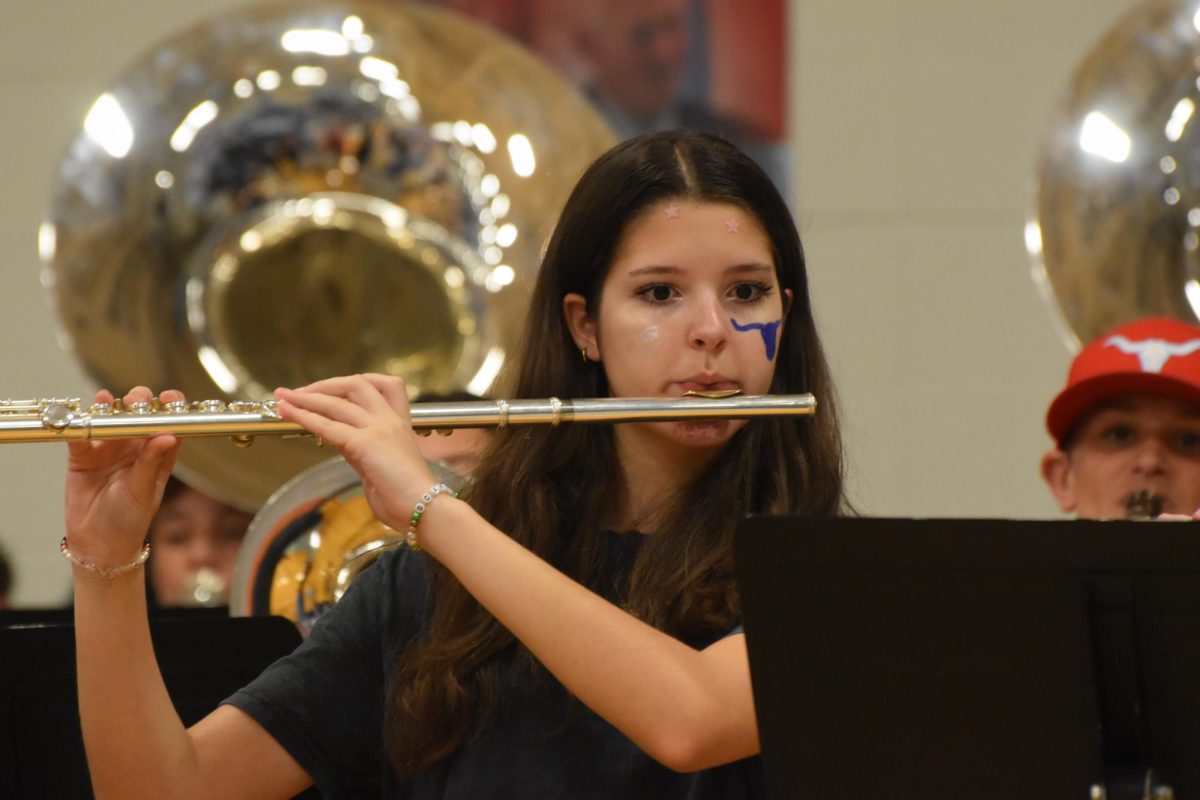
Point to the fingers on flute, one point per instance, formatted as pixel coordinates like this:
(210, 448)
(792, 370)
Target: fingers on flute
(315, 423)
(392, 388)
(330, 407)
(141, 394)
(339, 386)
(354, 401)
(345, 386)
(377, 392)
(154, 462)
(368, 395)
(138, 394)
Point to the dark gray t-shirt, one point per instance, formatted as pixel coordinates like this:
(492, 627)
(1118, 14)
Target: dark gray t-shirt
(324, 704)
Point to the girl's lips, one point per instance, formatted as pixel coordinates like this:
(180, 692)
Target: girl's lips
(692, 385)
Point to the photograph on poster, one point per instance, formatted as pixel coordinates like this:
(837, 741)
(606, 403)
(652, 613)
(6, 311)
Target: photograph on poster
(651, 65)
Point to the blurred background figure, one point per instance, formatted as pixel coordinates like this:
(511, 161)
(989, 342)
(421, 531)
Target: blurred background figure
(654, 65)
(637, 51)
(194, 543)
(6, 579)
(648, 69)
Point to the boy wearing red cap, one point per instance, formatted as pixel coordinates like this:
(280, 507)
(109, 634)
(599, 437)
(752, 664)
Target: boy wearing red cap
(1127, 425)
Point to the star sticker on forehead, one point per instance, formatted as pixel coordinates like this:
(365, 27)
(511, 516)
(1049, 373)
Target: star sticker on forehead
(672, 211)
(732, 225)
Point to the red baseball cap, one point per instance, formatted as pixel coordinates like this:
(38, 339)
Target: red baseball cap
(1157, 356)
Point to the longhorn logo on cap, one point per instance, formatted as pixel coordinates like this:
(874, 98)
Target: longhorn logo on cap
(1153, 354)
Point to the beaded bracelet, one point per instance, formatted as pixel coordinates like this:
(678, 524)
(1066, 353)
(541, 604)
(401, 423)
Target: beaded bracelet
(107, 573)
(410, 537)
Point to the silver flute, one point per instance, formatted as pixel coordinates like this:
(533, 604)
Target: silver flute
(58, 419)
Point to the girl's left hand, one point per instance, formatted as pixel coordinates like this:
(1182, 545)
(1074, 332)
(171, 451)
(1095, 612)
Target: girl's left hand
(366, 417)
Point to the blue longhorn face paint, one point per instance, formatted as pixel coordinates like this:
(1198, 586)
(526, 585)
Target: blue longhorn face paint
(768, 330)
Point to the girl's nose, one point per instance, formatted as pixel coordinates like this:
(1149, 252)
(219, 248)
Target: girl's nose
(710, 328)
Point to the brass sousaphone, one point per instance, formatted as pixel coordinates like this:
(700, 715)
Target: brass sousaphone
(297, 190)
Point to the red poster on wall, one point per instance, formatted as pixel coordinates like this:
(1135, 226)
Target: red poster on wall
(715, 65)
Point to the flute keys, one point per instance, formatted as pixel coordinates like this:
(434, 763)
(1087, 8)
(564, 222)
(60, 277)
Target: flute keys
(100, 409)
(57, 416)
(211, 406)
(139, 409)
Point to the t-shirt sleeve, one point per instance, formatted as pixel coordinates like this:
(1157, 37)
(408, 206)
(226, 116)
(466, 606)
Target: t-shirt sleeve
(324, 702)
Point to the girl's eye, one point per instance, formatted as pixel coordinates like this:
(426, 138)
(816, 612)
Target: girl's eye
(657, 293)
(751, 291)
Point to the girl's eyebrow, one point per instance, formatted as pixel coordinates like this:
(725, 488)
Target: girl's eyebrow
(751, 266)
(663, 269)
(656, 269)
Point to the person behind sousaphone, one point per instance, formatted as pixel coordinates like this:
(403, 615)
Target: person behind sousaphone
(1126, 426)
(194, 539)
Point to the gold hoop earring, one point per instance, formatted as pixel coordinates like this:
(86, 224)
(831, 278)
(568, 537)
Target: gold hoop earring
(584, 355)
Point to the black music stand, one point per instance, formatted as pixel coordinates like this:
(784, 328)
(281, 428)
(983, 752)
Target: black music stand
(203, 658)
(973, 658)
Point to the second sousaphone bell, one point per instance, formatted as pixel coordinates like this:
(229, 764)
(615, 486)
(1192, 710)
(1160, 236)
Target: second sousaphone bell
(1115, 230)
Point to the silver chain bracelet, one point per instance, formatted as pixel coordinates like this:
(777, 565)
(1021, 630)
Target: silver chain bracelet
(107, 573)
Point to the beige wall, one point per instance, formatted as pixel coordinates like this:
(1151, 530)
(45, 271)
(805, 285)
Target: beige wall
(915, 125)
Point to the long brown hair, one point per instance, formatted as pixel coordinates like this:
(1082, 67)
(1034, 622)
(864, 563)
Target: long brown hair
(551, 490)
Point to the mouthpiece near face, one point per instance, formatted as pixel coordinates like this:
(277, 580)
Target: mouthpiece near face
(204, 588)
(718, 394)
(1143, 505)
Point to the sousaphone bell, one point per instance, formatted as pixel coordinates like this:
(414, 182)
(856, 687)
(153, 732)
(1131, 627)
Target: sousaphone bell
(297, 190)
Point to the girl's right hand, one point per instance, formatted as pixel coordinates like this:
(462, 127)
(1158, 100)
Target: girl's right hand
(114, 488)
